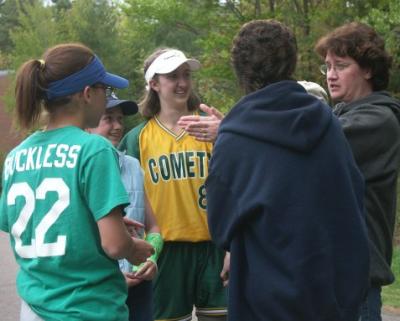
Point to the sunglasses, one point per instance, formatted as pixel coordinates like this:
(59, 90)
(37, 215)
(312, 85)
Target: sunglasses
(108, 89)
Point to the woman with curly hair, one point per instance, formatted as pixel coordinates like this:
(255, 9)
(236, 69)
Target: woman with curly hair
(357, 72)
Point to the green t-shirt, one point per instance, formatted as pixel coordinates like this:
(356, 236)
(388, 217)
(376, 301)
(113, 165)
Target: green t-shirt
(56, 185)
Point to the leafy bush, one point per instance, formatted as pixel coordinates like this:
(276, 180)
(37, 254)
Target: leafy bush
(391, 293)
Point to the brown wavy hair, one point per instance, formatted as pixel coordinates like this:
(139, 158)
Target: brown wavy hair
(362, 43)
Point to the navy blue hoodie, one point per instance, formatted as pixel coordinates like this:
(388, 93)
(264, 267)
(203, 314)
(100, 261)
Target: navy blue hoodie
(285, 197)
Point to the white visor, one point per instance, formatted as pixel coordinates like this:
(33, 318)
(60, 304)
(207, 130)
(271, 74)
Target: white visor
(168, 62)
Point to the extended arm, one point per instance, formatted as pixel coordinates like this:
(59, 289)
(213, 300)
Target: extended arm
(203, 128)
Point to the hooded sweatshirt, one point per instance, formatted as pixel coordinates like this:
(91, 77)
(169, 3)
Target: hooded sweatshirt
(371, 126)
(285, 197)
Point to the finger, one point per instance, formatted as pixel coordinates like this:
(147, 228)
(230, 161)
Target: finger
(129, 275)
(200, 134)
(139, 273)
(143, 274)
(146, 269)
(202, 121)
(132, 231)
(190, 118)
(134, 282)
(150, 272)
(197, 126)
(217, 113)
(206, 109)
(130, 222)
(203, 139)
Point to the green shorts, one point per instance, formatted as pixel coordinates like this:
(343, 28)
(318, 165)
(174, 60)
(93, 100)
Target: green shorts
(189, 274)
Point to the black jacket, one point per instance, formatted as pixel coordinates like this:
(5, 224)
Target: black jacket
(284, 195)
(371, 126)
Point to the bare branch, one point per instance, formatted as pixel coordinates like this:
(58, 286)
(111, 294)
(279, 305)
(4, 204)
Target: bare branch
(231, 5)
(183, 25)
(257, 8)
(272, 6)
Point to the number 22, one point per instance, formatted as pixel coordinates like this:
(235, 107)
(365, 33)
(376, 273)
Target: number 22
(38, 248)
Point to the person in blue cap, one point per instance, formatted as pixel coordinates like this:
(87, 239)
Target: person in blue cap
(61, 201)
(138, 278)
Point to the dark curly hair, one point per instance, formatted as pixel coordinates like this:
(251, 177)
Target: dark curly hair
(263, 52)
(360, 42)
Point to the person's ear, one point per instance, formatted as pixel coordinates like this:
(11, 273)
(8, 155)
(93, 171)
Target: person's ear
(367, 74)
(154, 85)
(87, 93)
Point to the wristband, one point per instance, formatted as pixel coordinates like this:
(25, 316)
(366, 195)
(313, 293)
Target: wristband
(155, 239)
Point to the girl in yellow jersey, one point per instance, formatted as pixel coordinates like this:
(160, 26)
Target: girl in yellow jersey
(176, 166)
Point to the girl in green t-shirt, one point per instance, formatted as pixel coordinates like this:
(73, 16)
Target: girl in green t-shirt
(61, 201)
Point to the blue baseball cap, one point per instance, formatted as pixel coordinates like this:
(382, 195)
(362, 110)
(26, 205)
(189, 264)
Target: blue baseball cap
(128, 107)
(91, 74)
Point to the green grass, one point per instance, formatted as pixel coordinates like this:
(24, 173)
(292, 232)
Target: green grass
(391, 294)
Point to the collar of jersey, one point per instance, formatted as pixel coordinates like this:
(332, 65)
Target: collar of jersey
(177, 137)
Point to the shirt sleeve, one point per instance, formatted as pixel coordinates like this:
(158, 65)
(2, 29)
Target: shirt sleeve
(130, 142)
(369, 131)
(103, 188)
(3, 214)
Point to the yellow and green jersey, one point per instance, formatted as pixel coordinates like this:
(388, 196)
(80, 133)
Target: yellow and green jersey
(175, 167)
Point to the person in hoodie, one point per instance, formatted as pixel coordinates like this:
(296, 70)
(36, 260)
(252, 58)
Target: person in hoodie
(284, 194)
(357, 72)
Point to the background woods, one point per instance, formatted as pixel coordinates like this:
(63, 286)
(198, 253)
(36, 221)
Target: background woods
(124, 32)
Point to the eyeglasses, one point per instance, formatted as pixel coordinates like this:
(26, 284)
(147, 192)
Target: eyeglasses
(108, 89)
(339, 67)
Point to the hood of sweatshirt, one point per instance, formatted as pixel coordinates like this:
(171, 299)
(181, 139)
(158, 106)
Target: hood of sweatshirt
(377, 98)
(297, 121)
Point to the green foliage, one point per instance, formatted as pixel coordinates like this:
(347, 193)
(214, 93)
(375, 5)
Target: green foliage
(148, 25)
(92, 23)
(385, 19)
(36, 31)
(9, 21)
(124, 33)
(62, 5)
(391, 293)
(397, 225)
(4, 61)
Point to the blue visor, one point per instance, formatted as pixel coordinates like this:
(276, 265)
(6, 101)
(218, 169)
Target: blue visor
(93, 73)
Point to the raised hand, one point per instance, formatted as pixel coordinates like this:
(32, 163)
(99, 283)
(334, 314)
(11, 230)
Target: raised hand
(203, 128)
